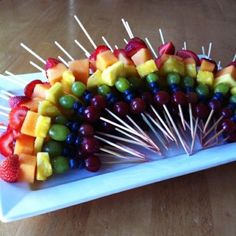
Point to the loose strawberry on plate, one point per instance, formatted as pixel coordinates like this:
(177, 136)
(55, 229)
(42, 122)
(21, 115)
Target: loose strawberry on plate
(7, 143)
(9, 169)
(17, 101)
(16, 117)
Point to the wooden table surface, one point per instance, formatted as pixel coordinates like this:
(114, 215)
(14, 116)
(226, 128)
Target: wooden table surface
(202, 203)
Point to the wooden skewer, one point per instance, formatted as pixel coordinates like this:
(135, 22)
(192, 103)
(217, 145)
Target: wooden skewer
(161, 35)
(185, 45)
(128, 27)
(151, 47)
(5, 108)
(181, 116)
(113, 153)
(209, 50)
(118, 146)
(213, 137)
(162, 122)
(33, 53)
(7, 93)
(191, 119)
(116, 47)
(213, 127)
(154, 131)
(194, 136)
(4, 97)
(16, 77)
(234, 58)
(4, 114)
(106, 42)
(176, 130)
(13, 80)
(37, 66)
(125, 40)
(85, 32)
(208, 121)
(219, 65)
(64, 51)
(203, 51)
(63, 61)
(87, 54)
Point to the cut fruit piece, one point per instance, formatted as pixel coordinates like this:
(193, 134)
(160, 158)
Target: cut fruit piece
(42, 126)
(7, 143)
(16, 117)
(134, 45)
(32, 104)
(44, 167)
(54, 93)
(166, 48)
(17, 101)
(38, 144)
(47, 108)
(24, 144)
(147, 68)
(226, 75)
(95, 80)
(190, 67)
(130, 70)
(121, 55)
(29, 124)
(27, 168)
(105, 59)
(205, 77)
(207, 65)
(29, 88)
(80, 69)
(141, 56)
(110, 75)
(67, 80)
(186, 54)
(40, 90)
(55, 73)
(173, 64)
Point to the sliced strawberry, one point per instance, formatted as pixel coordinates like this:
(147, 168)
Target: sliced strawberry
(17, 101)
(9, 169)
(117, 52)
(187, 53)
(29, 88)
(134, 45)
(166, 48)
(51, 62)
(7, 143)
(98, 50)
(16, 117)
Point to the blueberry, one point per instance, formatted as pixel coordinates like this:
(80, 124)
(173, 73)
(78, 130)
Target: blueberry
(111, 98)
(81, 111)
(77, 106)
(75, 126)
(87, 96)
(76, 163)
(129, 97)
(71, 138)
(69, 124)
(153, 85)
(78, 141)
(155, 90)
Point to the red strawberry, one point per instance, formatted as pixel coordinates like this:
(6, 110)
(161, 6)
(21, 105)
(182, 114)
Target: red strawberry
(134, 45)
(7, 143)
(9, 169)
(187, 53)
(29, 88)
(98, 50)
(17, 101)
(16, 117)
(51, 62)
(166, 48)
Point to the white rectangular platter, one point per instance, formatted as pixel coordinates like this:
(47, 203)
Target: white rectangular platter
(19, 201)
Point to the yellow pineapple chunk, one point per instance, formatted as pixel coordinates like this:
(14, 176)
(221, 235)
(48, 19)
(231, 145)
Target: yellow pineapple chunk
(105, 59)
(147, 68)
(44, 167)
(47, 108)
(54, 93)
(42, 126)
(172, 64)
(38, 144)
(205, 77)
(130, 70)
(67, 80)
(110, 75)
(95, 80)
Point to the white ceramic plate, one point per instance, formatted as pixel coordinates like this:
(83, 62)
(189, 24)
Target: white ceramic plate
(18, 201)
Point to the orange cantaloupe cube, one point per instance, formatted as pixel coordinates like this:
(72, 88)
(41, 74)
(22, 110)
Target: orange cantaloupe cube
(40, 90)
(55, 74)
(105, 59)
(29, 124)
(27, 168)
(24, 144)
(141, 56)
(227, 70)
(226, 75)
(32, 104)
(207, 66)
(80, 69)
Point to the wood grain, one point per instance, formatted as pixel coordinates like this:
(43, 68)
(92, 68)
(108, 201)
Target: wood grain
(202, 203)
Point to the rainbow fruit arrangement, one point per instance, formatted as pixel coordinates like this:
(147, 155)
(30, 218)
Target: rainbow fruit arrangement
(62, 124)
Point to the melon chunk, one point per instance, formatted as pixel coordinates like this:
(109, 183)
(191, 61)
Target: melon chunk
(226, 75)
(24, 144)
(141, 56)
(67, 80)
(190, 67)
(110, 75)
(80, 69)
(147, 68)
(207, 66)
(95, 80)
(38, 144)
(32, 104)
(55, 73)
(27, 168)
(105, 59)
(29, 124)
(40, 90)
